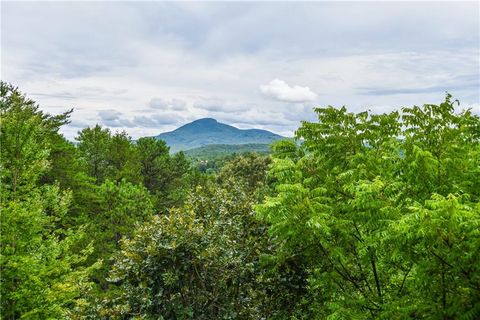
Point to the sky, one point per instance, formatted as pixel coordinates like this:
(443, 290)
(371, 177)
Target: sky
(149, 67)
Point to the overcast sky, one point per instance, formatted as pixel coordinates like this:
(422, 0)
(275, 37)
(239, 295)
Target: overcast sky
(149, 67)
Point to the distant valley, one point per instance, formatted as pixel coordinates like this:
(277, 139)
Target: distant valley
(216, 151)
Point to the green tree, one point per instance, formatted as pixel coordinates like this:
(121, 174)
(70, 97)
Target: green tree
(347, 207)
(152, 154)
(40, 265)
(122, 158)
(439, 240)
(248, 168)
(40, 273)
(25, 139)
(175, 182)
(122, 206)
(200, 261)
(93, 147)
(66, 170)
(166, 177)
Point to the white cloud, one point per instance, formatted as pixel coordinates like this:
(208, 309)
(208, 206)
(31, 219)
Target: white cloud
(177, 62)
(219, 105)
(170, 104)
(280, 90)
(109, 115)
(114, 119)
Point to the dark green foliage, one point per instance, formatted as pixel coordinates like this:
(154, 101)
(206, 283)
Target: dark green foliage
(66, 170)
(107, 156)
(165, 176)
(152, 155)
(122, 206)
(200, 261)
(123, 159)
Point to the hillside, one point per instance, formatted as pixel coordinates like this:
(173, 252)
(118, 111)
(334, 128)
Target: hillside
(209, 131)
(214, 151)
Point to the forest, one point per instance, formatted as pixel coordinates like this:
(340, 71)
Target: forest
(361, 216)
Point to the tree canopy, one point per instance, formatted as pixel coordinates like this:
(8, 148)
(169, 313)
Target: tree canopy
(383, 211)
(362, 216)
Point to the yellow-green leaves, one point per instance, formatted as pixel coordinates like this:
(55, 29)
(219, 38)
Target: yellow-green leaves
(382, 211)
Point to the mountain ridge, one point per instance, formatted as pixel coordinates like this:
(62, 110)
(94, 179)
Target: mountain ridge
(208, 131)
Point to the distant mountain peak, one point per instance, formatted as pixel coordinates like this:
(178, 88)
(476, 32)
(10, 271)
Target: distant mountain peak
(205, 120)
(208, 131)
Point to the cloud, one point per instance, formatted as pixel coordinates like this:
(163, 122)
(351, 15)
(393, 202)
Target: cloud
(171, 104)
(280, 90)
(156, 121)
(115, 119)
(164, 63)
(458, 83)
(61, 95)
(219, 105)
(78, 123)
(109, 115)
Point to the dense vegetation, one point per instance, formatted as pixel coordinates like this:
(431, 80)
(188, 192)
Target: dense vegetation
(370, 217)
(212, 157)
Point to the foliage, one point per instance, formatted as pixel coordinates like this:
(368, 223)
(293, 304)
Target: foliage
(93, 147)
(25, 133)
(123, 159)
(248, 169)
(199, 261)
(165, 176)
(384, 210)
(365, 216)
(152, 155)
(40, 276)
(122, 206)
(211, 156)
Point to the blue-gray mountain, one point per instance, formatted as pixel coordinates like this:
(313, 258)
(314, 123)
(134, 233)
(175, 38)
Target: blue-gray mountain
(209, 131)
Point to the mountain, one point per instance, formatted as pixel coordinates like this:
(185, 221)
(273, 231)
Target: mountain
(209, 131)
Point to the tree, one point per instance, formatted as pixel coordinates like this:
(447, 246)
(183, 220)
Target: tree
(122, 158)
(40, 265)
(40, 273)
(249, 168)
(25, 139)
(93, 147)
(122, 207)
(166, 177)
(199, 261)
(152, 154)
(66, 170)
(354, 204)
(439, 240)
